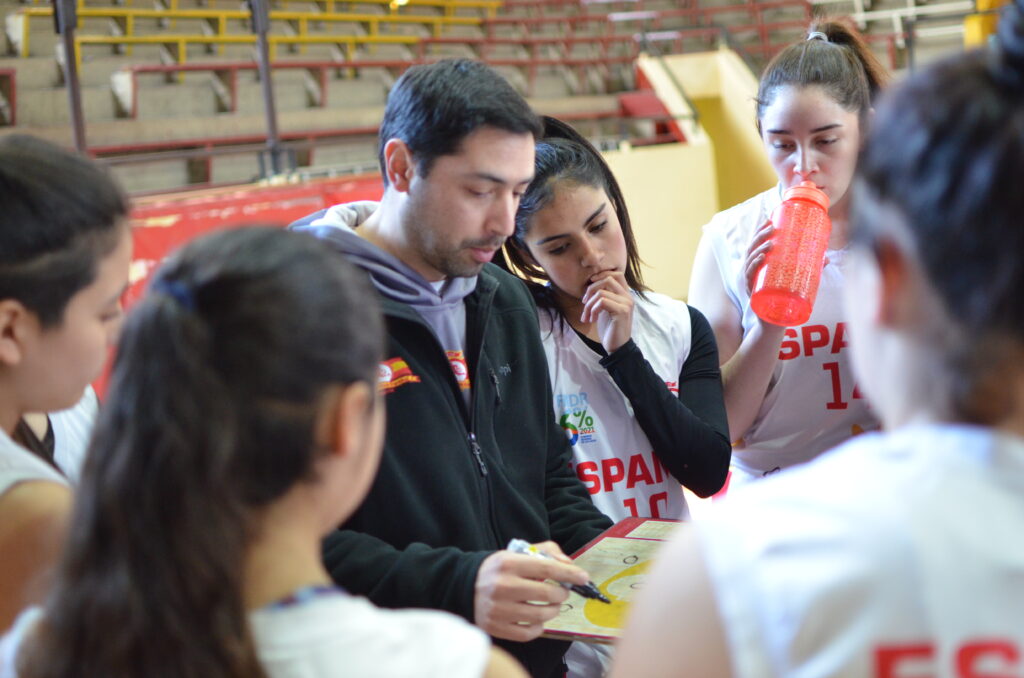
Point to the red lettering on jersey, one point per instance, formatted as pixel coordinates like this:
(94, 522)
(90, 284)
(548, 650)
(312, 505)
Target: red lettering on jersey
(638, 471)
(660, 497)
(612, 471)
(631, 505)
(587, 473)
(839, 340)
(789, 348)
(889, 658)
(972, 657)
(814, 336)
(837, 402)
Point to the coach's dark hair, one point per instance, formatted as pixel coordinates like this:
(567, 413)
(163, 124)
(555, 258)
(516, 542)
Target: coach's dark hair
(61, 216)
(947, 155)
(564, 158)
(220, 378)
(433, 107)
(843, 65)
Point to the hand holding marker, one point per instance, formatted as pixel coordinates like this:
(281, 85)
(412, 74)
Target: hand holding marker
(589, 590)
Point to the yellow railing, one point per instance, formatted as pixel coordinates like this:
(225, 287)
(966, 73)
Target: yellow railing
(177, 43)
(217, 20)
(450, 6)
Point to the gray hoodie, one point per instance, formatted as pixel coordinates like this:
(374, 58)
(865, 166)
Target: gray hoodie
(439, 304)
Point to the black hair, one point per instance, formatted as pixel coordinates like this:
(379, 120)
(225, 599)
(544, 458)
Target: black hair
(843, 65)
(565, 158)
(433, 107)
(220, 377)
(61, 216)
(947, 154)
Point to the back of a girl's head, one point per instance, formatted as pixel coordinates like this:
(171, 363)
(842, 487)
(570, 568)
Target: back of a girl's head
(947, 156)
(60, 217)
(221, 377)
(835, 58)
(239, 337)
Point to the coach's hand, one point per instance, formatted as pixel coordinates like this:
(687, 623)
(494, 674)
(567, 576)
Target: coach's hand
(514, 597)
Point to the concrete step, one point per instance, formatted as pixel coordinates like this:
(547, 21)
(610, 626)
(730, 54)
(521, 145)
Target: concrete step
(50, 106)
(177, 101)
(364, 91)
(97, 67)
(234, 169)
(354, 153)
(553, 85)
(160, 175)
(34, 72)
(288, 96)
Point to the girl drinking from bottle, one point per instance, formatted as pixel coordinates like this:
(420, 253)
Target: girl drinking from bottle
(789, 391)
(634, 374)
(243, 423)
(64, 255)
(898, 554)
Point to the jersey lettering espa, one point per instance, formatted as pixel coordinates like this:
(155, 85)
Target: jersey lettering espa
(611, 454)
(895, 556)
(813, 402)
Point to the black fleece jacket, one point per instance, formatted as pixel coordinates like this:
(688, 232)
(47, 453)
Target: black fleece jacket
(456, 483)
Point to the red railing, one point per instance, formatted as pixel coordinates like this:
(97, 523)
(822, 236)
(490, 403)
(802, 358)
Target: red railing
(227, 72)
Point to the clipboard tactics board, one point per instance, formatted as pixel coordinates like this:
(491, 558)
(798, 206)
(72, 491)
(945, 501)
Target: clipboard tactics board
(617, 561)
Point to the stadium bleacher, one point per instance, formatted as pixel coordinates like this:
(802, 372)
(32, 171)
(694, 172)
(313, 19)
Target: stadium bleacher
(171, 94)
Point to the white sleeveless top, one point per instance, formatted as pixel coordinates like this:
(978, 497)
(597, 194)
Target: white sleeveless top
(812, 403)
(339, 635)
(611, 454)
(72, 430)
(18, 465)
(895, 555)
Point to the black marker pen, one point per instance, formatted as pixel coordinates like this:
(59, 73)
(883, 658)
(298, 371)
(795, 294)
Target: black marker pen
(588, 590)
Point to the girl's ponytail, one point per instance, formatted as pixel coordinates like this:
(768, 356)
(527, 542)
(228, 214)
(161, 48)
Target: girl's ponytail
(844, 34)
(218, 384)
(833, 57)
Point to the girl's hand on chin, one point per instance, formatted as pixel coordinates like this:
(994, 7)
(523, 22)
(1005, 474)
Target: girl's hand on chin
(609, 302)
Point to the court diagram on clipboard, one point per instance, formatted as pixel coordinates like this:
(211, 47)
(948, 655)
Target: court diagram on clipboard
(617, 561)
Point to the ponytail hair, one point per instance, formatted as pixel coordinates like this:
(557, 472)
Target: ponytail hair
(835, 57)
(947, 157)
(564, 157)
(218, 383)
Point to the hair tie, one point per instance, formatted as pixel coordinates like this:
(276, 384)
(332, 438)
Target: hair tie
(177, 291)
(817, 35)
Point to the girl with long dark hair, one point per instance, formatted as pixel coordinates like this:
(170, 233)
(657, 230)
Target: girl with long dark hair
(243, 423)
(634, 374)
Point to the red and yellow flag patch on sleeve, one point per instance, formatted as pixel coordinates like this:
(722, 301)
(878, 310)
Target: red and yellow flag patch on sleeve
(393, 373)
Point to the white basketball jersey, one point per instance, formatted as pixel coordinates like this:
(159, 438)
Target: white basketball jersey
(894, 556)
(812, 403)
(611, 454)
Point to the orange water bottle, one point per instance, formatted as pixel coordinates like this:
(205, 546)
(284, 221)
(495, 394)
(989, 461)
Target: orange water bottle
(787, 283)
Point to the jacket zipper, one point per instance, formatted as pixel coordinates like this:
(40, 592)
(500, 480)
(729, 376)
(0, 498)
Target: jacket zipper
(497, 389)
(477, 452)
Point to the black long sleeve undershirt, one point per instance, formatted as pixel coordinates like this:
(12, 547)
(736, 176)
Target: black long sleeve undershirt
(689, 433)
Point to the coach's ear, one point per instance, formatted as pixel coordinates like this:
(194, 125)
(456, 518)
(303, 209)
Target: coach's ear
(399, 165)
